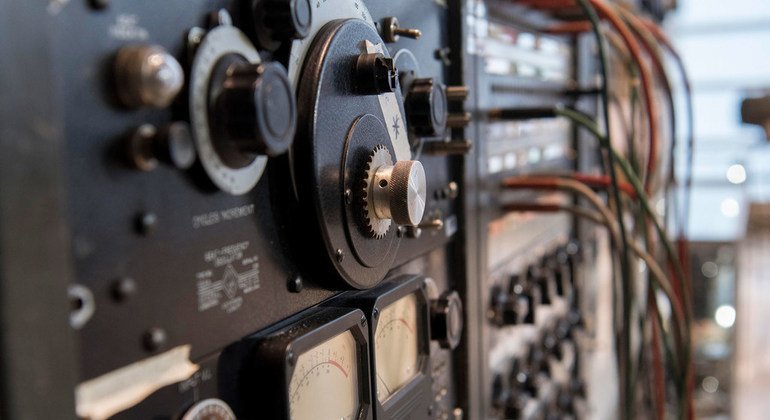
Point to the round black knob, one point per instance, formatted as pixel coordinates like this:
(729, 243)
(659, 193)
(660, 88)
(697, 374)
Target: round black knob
(256, 109)
(282, 20)
(426, 107)
(446, 320)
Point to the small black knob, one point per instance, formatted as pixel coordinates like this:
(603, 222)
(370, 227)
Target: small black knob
(375, 74)
(256, 109)
(524, 290)
(537, 360)
(522, 379)
(508, 308)
(426, 107)
(278, 21)
(552, 345)
(556, 264)
(175, 145)
(446, 320)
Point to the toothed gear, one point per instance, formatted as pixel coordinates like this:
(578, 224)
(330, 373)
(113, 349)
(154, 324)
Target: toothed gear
(378, 157)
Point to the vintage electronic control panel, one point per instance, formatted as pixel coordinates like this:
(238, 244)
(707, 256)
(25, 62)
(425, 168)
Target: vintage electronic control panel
(287, 209)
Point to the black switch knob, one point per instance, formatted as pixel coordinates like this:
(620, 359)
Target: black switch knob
(278, 21)
(557, 264)
(540, 279)
(501, 392)
(522, 378)
(256, 111)
(426, 107)
(375, 74)
(525, 291)
(446, 320)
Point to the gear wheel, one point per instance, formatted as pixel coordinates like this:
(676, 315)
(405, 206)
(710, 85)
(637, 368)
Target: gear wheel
(378, 157)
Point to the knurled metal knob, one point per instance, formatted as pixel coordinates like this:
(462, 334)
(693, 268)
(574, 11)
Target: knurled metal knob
(399, 192)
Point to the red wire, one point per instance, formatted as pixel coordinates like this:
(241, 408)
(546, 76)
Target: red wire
(609, 15)
(603, 181)
(647, 82)
(568, 28)
(658, 33)
(631, 43)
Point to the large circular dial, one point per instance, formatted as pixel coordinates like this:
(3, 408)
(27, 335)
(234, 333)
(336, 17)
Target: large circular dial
(324, 384)
(396, 352)
(241, 110)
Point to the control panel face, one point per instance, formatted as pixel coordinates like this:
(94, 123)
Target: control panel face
(232, 164)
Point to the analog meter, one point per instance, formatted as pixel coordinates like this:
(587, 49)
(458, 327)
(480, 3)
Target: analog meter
(313, 366)
(396, 346)
(398, 313)
(330, 365)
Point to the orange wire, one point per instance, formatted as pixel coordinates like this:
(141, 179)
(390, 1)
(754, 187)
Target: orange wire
(604, 181)
(568, 28)
(609, 15)
(612, 17)
(658, 33)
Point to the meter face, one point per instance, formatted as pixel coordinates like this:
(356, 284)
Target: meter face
(396, 342)
(325, 381)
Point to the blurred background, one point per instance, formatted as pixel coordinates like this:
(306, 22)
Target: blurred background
(724, 46)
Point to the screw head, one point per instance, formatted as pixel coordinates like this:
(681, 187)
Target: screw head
(339, 254)
(147, 223)
(296, 284)
(154, 339)
(123, 288)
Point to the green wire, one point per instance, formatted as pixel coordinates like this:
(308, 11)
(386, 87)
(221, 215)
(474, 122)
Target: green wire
(627, 288)
(586, 122)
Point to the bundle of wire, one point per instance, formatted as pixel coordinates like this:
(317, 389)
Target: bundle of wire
(640, 40)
